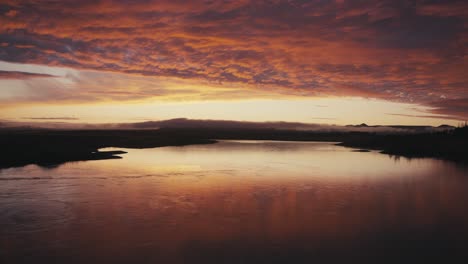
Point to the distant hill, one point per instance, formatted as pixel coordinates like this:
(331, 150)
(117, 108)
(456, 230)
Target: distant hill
(182, 123)
(446, 126)
(405, 127)
(227, 124)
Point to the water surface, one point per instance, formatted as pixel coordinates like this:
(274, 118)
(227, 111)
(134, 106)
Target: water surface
(236, 202)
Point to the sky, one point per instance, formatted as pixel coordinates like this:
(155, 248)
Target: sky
(334, 62)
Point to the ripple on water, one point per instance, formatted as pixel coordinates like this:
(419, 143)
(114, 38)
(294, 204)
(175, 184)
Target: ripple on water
(33, 215)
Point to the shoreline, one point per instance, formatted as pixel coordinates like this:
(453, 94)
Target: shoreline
(49, 148)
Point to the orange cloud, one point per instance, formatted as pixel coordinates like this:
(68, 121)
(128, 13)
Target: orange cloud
(393, 50)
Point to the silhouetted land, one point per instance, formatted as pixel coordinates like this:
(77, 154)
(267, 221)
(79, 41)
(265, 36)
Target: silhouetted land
(52, 147)
(450, 145)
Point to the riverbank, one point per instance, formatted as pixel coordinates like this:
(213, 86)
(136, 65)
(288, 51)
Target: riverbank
(54, 147)
(451, 145)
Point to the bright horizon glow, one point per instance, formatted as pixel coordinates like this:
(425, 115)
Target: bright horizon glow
(338, 111)
(186, 100)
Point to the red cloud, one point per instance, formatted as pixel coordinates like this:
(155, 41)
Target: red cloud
(382, 49)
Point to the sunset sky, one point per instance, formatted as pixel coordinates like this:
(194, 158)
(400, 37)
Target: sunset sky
(335, 62)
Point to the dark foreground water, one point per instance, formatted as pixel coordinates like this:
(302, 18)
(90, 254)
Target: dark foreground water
(237, 202)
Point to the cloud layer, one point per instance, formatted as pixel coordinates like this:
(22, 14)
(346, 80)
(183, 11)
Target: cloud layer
(21, 75)
(410, 51)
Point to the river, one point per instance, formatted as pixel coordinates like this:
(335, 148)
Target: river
(236, 202)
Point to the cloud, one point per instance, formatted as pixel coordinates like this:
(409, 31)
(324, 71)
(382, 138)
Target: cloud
(427, 116)
(457, 108)
(22, 75)
(411, 51)
(52, 118)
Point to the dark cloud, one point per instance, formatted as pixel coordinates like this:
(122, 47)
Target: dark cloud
(22, 75)
(457, 108)
(427, 116)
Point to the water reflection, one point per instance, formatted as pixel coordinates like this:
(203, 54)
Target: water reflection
(236, 202)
